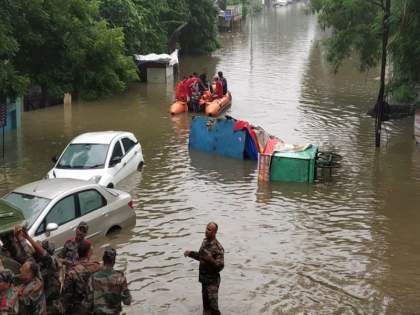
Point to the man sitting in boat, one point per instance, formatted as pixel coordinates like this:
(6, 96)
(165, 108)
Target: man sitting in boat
(224, 82)
(204, 84)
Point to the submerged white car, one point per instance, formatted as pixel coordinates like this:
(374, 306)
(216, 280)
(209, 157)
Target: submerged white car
(53, 208)
(104, 157)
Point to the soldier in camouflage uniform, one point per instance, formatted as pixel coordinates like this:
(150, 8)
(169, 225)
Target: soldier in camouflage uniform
(9, 304)
(211, 258)
(108, 287)
(15, 245)
(31, 292)
(50, 272)
(76, 290)
(69, 253)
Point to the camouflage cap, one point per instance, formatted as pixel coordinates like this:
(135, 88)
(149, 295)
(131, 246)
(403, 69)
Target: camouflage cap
(6, 276)
(109, 254)
(83, 225)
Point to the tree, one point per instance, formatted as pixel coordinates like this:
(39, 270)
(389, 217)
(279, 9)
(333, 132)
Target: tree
(140, 22)
(405, 50)
(65, 46)
(100, 68)
(173, 14)
(12, 83)
(200, 35)
(361, 27)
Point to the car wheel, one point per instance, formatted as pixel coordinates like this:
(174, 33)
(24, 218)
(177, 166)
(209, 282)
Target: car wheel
(140, 166)
(113, 229)
(110, 185)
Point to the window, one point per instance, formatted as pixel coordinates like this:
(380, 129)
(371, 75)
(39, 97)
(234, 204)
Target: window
(128, 144)
(90, 200)
(84, 155)
(63, 211)
(117, 151)
(30, 205)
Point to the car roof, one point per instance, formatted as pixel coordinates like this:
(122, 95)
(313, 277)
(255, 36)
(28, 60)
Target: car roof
(100, 137)
(51, 188)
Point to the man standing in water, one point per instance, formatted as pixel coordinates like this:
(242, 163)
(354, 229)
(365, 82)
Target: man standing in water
(69, 253)
(211, 258)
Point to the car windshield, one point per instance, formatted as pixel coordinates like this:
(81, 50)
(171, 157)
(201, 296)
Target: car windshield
(84, 156)
(30, 205)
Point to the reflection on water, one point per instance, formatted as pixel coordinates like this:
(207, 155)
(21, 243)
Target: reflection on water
(349, 246)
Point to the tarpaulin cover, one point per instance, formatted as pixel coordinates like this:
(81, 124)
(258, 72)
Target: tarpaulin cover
(242, 124)
(171, 59)
(251, 149)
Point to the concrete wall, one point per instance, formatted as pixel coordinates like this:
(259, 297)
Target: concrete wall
(160, 75)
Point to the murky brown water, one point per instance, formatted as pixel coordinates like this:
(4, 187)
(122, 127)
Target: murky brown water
(351, 246)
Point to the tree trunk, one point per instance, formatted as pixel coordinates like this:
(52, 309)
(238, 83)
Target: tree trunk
(380, 103)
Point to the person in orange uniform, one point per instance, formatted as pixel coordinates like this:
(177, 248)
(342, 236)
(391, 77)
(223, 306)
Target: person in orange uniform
(180, 91)
(218, 91)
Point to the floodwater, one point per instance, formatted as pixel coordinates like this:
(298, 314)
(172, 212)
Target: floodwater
(347, 246)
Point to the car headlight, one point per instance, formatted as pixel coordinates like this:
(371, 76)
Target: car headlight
(96, 179)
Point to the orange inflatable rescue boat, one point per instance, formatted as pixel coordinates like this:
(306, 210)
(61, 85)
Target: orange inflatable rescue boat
(217, 106)
(210, 108)
(178, 107)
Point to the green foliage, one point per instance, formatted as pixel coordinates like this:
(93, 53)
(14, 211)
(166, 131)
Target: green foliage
(356, 28)
(11, 81)
(403, 93)
(140, 23)
(86, 46)
(405, 49)
(200, 35)
(174, 14)
(102, 70)
(64, 46)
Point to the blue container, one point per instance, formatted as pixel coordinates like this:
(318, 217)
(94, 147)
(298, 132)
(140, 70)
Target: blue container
(217, 136)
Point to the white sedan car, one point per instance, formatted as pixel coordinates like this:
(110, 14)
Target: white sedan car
(53, 208)
(103, 157)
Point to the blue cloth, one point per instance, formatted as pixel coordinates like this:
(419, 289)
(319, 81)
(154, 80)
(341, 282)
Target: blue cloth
(251, 150)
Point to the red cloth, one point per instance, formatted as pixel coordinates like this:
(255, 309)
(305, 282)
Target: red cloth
(190, 85)
(218, 93)
(180, 92)
(242, 124)
(3, 306)
(271, 144)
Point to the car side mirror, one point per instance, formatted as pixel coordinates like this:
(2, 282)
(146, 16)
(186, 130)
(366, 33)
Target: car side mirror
(54, 159)
(115, 160)
(51, 227)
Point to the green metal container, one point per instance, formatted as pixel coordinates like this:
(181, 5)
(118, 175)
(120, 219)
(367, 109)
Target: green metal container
(294, 166)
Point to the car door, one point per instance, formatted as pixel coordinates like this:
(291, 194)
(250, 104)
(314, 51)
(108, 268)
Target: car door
(115, 169)
(64, 214)
(93, 208)
(131, 158)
